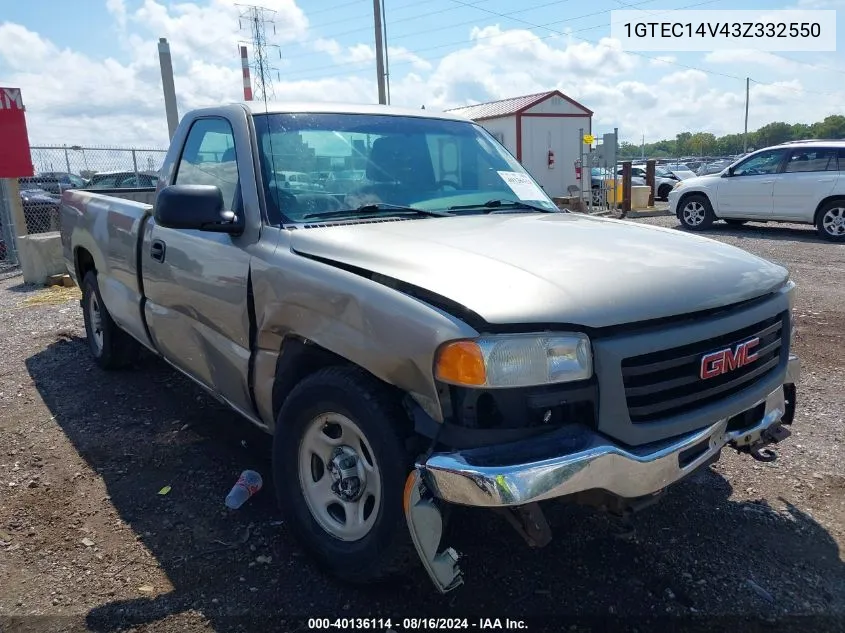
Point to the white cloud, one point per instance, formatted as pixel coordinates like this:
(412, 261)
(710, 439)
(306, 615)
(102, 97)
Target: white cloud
(77, 99)
(746, 57)
(363, 53)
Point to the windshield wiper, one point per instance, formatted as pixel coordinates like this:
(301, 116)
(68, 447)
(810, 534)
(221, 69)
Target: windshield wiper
(498, 204)
(395, 209)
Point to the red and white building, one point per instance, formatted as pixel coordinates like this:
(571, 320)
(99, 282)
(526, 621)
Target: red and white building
(541, 131)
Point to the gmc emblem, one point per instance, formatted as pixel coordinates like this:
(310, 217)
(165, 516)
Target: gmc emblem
(725, 360)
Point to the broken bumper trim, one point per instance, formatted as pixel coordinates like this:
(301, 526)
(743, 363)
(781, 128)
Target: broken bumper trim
(579, 459)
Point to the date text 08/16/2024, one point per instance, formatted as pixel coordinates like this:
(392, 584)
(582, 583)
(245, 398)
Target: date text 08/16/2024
(412, 624)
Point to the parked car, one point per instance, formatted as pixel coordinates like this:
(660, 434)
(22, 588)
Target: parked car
(713, 168)
(54, 182)
(40, 210)
(296, 180)
(793, 182)
(455, 339)
(664, 179)
(345, 180)
(122, 180)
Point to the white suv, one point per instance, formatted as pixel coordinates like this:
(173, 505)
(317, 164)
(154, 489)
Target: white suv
(802, 181)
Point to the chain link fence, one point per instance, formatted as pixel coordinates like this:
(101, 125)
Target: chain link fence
(58, 168)
(8, 253)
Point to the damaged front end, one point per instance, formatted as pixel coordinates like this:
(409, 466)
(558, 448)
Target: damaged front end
(575, 463)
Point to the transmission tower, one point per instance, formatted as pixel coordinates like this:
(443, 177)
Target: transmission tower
(257, 20)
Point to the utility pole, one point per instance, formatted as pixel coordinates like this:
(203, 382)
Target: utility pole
(745, 134)
(256, 20)
(382, 96)
(168, 86)
(642, 148)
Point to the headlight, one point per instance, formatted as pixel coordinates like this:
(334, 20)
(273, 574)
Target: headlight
(678, 185)
(515, 360)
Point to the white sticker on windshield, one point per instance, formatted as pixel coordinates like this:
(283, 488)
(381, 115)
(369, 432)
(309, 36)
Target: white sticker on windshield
(522, 186)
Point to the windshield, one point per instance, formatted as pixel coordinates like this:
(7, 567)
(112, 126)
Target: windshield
(371, 160)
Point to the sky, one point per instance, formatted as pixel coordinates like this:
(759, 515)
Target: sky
(89, 72)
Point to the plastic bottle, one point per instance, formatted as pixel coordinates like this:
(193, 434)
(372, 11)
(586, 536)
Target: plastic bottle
(247, 485)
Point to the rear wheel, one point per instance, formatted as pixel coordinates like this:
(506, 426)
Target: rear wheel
(111, 347)
(695, 212)
(830, 221)
(339, 466)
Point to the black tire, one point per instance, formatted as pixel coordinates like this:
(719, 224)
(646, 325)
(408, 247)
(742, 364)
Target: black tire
(387, 548)
(832, 213)
(663, 192)
(695, 206)
(116, 348)
(735, 222)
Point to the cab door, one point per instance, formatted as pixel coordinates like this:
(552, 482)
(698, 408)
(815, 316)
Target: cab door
(196, 282)
(809, 176)
(746, 190)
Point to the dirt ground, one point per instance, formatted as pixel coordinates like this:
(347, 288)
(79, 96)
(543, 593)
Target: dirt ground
(88, 542)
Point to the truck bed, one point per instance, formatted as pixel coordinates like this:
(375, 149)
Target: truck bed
(108, 230)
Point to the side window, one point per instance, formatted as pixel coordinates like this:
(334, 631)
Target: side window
(129, 181)
(208, 158)
(842, 159)
(106, 182)
(761, 164)
(811, 159)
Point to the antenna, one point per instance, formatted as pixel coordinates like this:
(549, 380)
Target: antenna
(256, 20)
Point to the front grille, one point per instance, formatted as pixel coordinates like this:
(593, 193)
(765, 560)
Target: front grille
(667, 383)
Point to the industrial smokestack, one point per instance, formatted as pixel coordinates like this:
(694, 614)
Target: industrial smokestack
(170, 107)
(247, 80)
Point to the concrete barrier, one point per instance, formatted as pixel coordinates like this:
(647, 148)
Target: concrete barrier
(40, 256)
(639, 196)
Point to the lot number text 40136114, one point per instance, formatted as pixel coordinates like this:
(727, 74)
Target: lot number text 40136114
(416, 624)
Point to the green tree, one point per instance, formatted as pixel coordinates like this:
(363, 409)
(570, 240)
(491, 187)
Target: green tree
(832, 127)
(682, 143)
(702, 143)
(774, 133)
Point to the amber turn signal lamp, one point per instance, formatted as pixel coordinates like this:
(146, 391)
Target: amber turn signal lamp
(461, 363)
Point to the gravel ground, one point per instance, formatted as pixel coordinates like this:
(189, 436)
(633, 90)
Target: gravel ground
(87, 542)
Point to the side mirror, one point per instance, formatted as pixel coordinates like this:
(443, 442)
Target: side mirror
(198, 207)
(728, 172)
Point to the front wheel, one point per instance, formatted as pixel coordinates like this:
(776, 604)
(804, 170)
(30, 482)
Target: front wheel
(663, 192)
(830, 222)
(339, 466)
(695, 212)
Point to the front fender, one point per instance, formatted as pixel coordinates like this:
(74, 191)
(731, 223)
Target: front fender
(388, 333)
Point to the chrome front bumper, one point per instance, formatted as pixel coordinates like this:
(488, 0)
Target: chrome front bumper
(579, 459)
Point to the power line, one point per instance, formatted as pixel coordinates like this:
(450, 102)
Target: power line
(439, 29)
(554, 33)
(487, 37)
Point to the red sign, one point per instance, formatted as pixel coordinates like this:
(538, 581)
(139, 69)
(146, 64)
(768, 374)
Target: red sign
(725, 360)
(15, 159)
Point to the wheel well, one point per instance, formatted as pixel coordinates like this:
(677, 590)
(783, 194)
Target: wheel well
(298, 359)
(84, 262)
(824, 202)
(685, 197)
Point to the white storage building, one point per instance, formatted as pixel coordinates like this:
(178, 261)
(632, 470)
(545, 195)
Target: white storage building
(534, 125)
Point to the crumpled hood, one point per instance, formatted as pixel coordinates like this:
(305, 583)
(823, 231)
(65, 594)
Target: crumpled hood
(552, 268)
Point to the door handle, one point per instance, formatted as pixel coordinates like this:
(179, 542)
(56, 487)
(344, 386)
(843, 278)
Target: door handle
(157, 250)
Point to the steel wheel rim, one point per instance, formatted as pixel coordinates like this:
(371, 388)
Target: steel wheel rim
(834, 221)
(95, 318)
(693, 213)
(344, 516)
